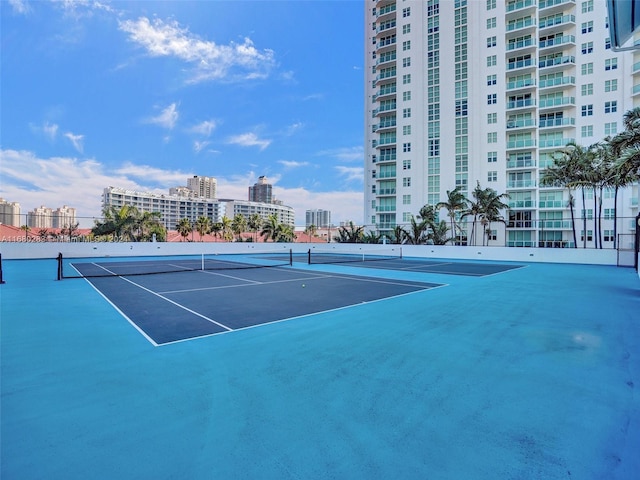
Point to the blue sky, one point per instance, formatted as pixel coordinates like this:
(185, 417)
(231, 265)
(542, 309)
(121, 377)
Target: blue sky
(142, 95)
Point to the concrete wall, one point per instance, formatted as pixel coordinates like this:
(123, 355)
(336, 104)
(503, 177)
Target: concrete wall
(17, 250)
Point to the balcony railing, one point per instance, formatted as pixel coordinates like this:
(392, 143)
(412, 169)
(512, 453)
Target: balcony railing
(386, 191)
(550, 62)
(521, 204)
(529, 62)
(552, 21)
(552, 3)
(558, 122)
(554, 82)
(527, 82)
(557, 101)
(524, 143)
(520, 44)
(521, 23)
(557, 41)
(521, 123)
(551, 204)
(555, 142)
(386, 9)
(529, 163)
(529, 183)
(513, 6)
(529, 102)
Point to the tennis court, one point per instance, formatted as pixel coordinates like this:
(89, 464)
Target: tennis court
(208, 297)
(528, 374)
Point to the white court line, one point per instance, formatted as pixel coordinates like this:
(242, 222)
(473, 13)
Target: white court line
(246, 285)
(171, 301)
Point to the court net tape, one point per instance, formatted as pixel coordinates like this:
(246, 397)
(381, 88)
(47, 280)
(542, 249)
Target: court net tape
(125, 267)
(335, 256)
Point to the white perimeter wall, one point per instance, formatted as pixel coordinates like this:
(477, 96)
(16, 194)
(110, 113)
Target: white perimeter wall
(16, 250)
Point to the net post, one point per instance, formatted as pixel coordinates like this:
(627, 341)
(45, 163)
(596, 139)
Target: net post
(291, 257)
(60, 273)
(1, 279)
(637, 243)
(400, 251)
(309, 257)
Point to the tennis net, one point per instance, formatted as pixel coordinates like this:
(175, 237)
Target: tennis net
(317, 256)
(125, 267)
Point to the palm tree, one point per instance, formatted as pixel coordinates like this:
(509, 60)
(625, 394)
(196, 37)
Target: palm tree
(627, 144)
(474, 208)
(26, 229)
(270, 228)
(438, 233)
(239, 225)
(284, 233)
(119, 222)
(398, 235)
(371, 237)
(216, 228)
(184, 228)
(417, 234)
(227, 231)
(455, 203)
(311, 230)
(43, 234)
(490, 210)
(254, 223)
(203, 226)
(352, 234)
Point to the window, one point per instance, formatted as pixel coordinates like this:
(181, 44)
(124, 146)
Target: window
(492, 176)
(587, 27)
(586, 131)
(406, 12)
(492, 157)
(587, 6)
(491, 79)
(406, 181)
(608, 236)
(492, 99)
(589, 235)
(406, 113)
(492, 118)
(406, 164)
(406, 147)
(406, 79)
(611, 128)
(611, 85)
(492, 60)
(373, 174)
(406, 45)
(608, 213)
(587, 89)
(406, 96)
(406, 62)
(587, 48)
(491, 4)
(492, 137)
(611, 64)
(406, 129)
(406, 28)
(491, 22)
(607, 43)
(611, 107)
(491, 42)
(587, 110)
(587, 68)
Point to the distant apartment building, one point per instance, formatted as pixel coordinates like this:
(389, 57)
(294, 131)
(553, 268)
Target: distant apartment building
(262, 191)
(9, 213)
(174, 208)
(40, 217)
(203, 187)
(319, 218)
(64, 217)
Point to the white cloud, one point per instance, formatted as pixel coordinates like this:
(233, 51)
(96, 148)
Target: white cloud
(293, 128)
(204, 128)
(198, 146)
(248, 140)
(20, 7)
(50, 130)
(167, 117)
(210, 61)
(79, 183)
(76, 140)
(351, 173)
(292, 164)
(347, 154)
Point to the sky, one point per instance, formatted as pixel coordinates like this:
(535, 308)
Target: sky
(142, 95)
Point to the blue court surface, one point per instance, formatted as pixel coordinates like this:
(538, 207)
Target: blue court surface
(525, 373)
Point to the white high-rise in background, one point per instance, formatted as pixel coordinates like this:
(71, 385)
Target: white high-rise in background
(460, 93)
(319, 218)
(40, 217)
(64, 217)
(9, 213)
(203, 187)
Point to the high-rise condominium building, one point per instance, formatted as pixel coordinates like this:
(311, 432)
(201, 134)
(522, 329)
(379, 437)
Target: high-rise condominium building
(203, 187)
(460, 93)
(9, 213)
(64, 217)
(40, 217)
(319, 218)
(261, 191)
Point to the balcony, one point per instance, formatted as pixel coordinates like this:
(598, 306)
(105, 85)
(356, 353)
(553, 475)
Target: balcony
(551, 204)
(385, 91)
(521, 204)
(386, 157)
(384, 125)
(386, 10)
(527, 63)
(555, 142)
(568, 81)
(521, 123)
(554, 224)
(386, 191)
(557, 102)
(520, 6)
(558, 42)
(386, 208)
(556, 63)
(526, 43)
(521, 25)
(526, 183)
(386, 26)
(386, 58)
(522, 143)
(554, 6)
(552, 24)
(636, 90)
(558, 122)
(523, 103)
(521, 84)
